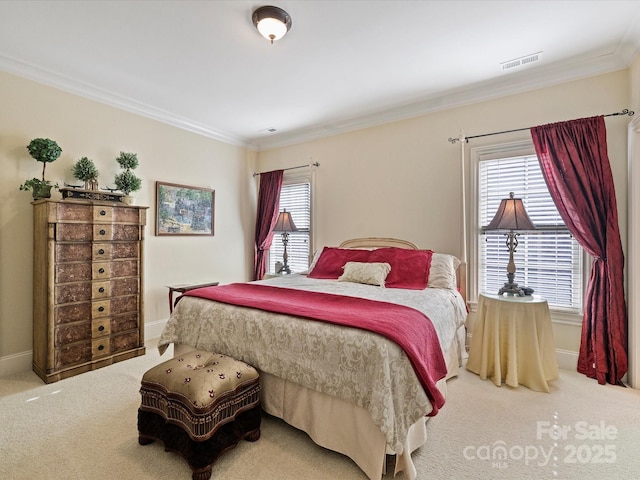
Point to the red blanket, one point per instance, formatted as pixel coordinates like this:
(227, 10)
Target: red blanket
(409, 328)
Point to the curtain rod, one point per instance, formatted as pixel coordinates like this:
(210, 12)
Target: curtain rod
(314, 164)
(466, 139)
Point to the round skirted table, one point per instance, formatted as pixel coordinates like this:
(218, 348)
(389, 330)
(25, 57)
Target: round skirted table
(513, 342)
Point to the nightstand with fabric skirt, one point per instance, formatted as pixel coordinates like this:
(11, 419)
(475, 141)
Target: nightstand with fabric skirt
(513, 342)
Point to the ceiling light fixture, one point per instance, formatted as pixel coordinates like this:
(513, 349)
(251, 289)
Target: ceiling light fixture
(273, 23)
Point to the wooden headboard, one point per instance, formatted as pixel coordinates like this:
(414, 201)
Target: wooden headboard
(379, 242)
(375, 242)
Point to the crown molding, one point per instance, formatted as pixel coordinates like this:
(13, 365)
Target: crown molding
(91, 92)
(510, 84)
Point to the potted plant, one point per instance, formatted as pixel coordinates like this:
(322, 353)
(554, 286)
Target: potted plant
(126, 181)
(40, 189)
(86, 171)
(46, 151)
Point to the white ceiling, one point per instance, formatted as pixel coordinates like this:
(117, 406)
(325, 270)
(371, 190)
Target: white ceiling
(201, 65)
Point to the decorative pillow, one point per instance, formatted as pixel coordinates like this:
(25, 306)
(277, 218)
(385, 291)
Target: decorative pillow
(409, 268)
(367, 273)
(332, 259)
(443, 271)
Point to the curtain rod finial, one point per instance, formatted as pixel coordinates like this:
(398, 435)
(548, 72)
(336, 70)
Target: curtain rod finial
(461, 138)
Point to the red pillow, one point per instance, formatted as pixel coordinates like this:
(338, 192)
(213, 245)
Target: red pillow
(331, 261)
(409, 268)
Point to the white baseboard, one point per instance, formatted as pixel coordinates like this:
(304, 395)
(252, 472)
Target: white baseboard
(21, 362)
(16, 363)
(154, 329)
(567, 360)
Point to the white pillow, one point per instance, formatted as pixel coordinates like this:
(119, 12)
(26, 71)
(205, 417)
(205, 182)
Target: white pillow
(442, 273)
(367, 273)
(316, 256)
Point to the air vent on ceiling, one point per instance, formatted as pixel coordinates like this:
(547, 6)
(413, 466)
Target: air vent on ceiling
(521, 61)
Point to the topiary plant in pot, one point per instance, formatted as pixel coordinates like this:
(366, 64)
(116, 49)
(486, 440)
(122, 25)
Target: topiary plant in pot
(46, 151)
(86, 171)
(126, 181)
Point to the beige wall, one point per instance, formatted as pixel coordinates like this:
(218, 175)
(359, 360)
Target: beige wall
(86, 128)
(403, 179)
(634, 82)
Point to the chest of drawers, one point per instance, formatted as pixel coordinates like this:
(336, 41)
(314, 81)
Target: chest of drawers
(88, 286)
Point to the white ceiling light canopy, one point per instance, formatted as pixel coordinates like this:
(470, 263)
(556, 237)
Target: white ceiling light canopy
(273, 23)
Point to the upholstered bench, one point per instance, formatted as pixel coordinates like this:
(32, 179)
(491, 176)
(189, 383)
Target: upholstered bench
(199, 405)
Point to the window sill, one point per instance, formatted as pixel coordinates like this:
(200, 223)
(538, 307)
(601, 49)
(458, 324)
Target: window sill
(567, 318)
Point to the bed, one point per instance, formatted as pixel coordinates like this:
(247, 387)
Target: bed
(351, 390)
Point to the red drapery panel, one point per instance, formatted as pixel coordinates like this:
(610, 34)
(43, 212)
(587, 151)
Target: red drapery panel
(266, 217)
(575, 165)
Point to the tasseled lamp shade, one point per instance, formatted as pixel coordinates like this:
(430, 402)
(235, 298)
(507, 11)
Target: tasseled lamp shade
(285, 223)
(511, 215)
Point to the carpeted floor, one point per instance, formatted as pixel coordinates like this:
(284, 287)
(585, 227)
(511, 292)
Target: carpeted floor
(85, 428)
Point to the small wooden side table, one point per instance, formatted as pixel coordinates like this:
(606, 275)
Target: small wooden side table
(513, 342)
(185, 287)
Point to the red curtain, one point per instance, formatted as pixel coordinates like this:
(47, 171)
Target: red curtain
(266, 217)
(575, 165)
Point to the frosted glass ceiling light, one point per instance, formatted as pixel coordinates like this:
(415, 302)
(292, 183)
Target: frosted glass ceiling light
(273, 23)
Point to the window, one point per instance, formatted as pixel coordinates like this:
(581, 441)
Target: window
(549, 260)
(295, 196)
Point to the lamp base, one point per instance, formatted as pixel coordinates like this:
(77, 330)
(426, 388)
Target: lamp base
(284, 269)
(514, 289)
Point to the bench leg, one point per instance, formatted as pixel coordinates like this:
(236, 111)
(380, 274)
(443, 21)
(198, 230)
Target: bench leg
(253, 436)
(203, 475)
(144, 440)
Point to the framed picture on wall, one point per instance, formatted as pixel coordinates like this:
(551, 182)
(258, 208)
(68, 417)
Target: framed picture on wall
(184, 210)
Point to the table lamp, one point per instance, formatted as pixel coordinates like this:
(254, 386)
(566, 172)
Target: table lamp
(512, 216)
(285, 225)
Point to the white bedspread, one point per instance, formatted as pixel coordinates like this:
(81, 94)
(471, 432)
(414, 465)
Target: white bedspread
(352, 364)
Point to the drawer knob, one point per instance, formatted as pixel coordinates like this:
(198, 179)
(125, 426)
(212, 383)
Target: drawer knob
(103, 212)
(101, 347)
(101, 328)
(101, 251)
(101, 309)
(102, 231)
(101, 270)
(101, 289)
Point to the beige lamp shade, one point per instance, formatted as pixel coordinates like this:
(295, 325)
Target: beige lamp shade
(511, 215)
(285, 223)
